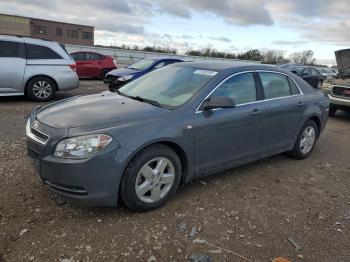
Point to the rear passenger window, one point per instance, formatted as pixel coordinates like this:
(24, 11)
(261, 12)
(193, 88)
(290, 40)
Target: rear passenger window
(92, 56)
(241, 88)
(275, 85)
(40, 52)
(293, 87)
(78, 56)
(9, 49)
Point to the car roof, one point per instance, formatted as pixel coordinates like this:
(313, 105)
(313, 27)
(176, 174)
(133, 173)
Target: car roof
(221, 66)
(163, 58)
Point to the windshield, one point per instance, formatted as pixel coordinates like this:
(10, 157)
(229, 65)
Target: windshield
(142, 64)
(170, 86)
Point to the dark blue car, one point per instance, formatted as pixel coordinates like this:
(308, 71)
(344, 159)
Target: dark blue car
(117, 78)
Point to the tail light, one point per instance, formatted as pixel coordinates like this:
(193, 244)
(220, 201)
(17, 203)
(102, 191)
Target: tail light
(73, 67)
(115, 63)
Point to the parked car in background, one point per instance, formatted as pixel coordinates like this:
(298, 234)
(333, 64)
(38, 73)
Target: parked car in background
(328, 72)
(35, 67)
(338, 88)
(172, 125)
(309, 74)
(93, 65)
(286, 66)
(119, 77)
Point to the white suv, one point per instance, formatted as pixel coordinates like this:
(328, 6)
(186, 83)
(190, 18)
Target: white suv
(34, 67)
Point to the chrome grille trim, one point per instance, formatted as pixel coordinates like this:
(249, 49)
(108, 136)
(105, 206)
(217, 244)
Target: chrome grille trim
(33, 137)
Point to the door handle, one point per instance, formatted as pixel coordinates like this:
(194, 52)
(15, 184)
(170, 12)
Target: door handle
(255, 112)
(300, 103)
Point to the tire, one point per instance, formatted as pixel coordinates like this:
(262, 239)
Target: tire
(332, 111)
(41, 89)
(135, 182)
(103, 73)
(302, 152)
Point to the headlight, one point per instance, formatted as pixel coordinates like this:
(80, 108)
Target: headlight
(125, 78)
(82, 146)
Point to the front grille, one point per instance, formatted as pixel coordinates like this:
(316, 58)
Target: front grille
(341, 91)
(39, 135)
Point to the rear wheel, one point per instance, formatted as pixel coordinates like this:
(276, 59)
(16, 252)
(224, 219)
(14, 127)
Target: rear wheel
(41, 89)
(151, 178)
(306, 140)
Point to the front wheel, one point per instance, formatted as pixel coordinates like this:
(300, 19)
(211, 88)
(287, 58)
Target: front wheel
(306, 141)
(151, 178)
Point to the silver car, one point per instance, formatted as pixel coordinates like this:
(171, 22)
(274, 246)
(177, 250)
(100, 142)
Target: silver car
(34, 67)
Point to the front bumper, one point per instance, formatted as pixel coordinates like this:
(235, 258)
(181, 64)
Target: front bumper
(113, 82)
(92, 181)
(339, 101)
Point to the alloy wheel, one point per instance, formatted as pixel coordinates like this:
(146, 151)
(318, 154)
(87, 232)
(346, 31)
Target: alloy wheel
(308, 139)
(155, 179)
(42, 89)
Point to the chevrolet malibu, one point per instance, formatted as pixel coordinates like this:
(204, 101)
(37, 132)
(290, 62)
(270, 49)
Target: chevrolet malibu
(174, 124)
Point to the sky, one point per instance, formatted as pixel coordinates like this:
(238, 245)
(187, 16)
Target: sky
(225, 25)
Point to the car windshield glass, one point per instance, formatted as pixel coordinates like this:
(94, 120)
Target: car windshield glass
(142, 64)
(323, 70)
(170, 86)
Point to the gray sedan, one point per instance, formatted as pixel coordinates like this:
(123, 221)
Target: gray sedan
(172, 125)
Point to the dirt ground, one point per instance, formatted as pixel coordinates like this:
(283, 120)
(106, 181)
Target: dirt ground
(277, 207)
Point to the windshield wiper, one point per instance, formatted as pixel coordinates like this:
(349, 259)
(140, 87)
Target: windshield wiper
(142, 99)
(149, 101)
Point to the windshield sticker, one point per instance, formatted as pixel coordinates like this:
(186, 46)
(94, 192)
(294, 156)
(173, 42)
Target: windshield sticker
(205, 72)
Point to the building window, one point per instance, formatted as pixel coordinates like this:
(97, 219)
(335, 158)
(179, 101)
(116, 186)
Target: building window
(58, 32)
(40, 30)
(87, 35)
(72, 33)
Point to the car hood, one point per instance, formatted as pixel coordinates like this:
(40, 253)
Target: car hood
(97, 111)
(123, 72)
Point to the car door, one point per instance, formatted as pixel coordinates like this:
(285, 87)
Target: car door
(283, 109)
(12, 66)
(92, 65)
(318, 78)
(79, 59)
(225, 136)
(308, 77)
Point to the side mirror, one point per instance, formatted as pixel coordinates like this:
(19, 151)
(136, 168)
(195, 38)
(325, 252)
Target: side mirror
(218, 102)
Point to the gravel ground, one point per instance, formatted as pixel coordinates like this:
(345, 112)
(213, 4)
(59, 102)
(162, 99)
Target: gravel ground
(277, 207)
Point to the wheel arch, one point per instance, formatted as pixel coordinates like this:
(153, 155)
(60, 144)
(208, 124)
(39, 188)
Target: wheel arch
(184, 159)
(317, 120)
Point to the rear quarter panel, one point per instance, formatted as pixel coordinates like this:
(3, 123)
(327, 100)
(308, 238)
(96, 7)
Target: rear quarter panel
(58, 70)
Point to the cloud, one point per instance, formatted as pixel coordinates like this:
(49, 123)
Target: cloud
(290, 43)
(231, 11)
(221, 39)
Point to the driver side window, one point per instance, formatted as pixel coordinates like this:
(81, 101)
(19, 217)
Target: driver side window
(241, 88)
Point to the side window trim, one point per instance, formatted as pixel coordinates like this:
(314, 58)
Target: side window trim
(257, 86)
(223, 81)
